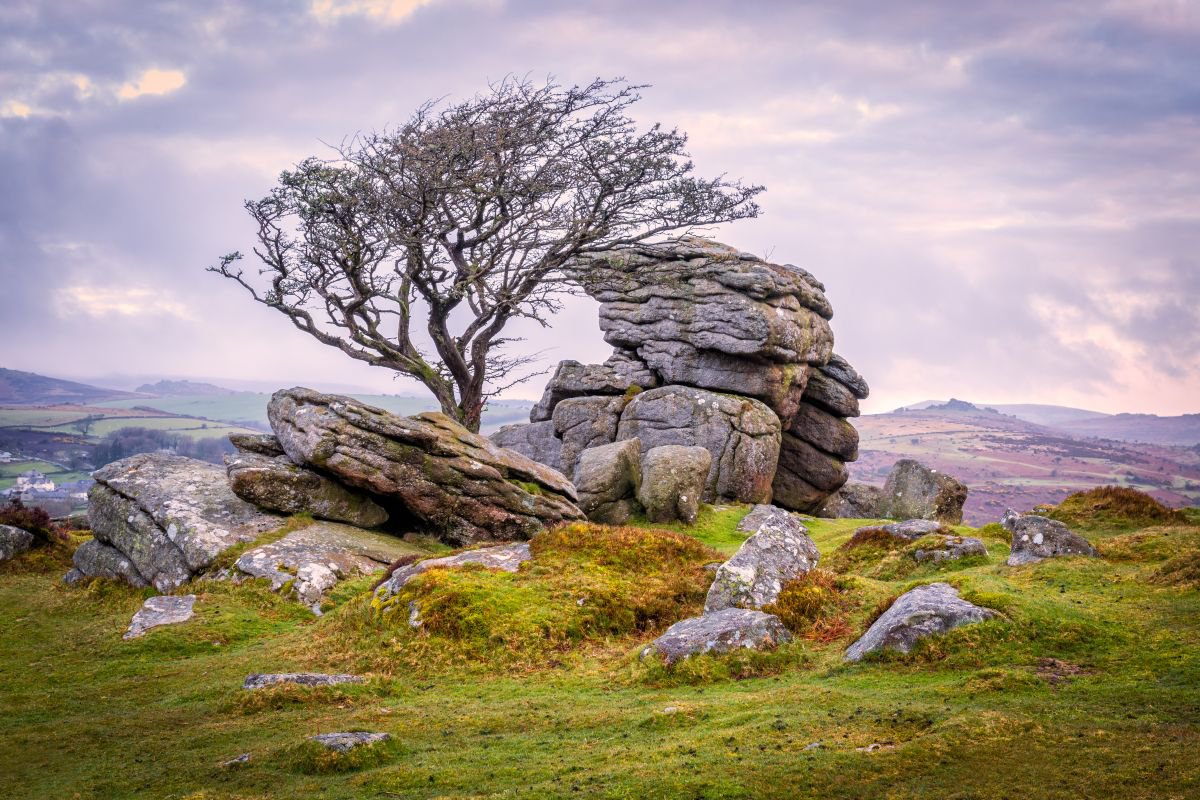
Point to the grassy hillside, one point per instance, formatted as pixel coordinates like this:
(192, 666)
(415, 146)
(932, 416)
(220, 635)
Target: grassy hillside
(17, 387)
(1089, 685)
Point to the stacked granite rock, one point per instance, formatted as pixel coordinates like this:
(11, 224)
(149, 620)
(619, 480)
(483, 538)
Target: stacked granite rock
(712, 348)
(162, 520)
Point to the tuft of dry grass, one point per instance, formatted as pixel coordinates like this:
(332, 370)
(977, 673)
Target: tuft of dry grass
(1111, 507)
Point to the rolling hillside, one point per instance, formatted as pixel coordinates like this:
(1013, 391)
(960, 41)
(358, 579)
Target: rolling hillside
(29, 388)
(1010, 462)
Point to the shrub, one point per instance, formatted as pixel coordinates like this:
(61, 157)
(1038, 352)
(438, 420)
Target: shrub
(32, 519)
(1114, 507)
(812, 606)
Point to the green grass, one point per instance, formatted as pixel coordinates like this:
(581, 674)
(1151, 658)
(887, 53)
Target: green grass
(1088, 687)
(196, 428)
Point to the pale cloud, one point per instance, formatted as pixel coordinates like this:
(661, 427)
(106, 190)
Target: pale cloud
(106, 301)
(152, 81)
(387, 11)
(15, 108)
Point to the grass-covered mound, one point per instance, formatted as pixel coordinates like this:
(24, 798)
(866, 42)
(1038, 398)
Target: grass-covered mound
(1112, 508)
(872, 552)
(586, 584)
(1088, 686)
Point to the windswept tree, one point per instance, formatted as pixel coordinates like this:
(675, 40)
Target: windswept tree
(413, 248)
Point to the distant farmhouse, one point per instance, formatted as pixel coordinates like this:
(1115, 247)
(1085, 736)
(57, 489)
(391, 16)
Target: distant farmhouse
(34, 488)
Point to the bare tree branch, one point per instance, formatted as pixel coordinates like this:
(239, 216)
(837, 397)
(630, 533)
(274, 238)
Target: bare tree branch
(461, 220)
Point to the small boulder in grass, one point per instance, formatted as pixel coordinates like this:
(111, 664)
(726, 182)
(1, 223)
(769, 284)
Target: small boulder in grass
(1035, 538)
(924, 611)
(778, 550)
(14, 541)
(344, 742)
(951, 548)
(719, 632)
(260, 680)
(159, 611)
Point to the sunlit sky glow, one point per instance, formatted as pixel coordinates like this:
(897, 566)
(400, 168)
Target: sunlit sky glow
(1001, 197)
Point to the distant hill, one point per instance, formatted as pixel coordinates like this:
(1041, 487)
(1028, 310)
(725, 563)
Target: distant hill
(1182, 430)
(29, 388)
(1011, 462)
(165, 388)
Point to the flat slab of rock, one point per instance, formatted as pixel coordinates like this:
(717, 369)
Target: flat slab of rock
(925, 611)
(170, 516)
(913, 529)
(534, 440)
(719, 632)
(741, 434)
(315, 558)
(264, 444)
(951, 548)
(159, 611)
(778, 550)
(276, 484)
(261, 680)
(703, 314)
(348, 740)
(1035, 538)
(457, 483)
(14, 541)
(507, 557)
(622, 371)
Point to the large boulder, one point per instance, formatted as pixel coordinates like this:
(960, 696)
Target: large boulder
(672, 482)
(277, 484)
(719, 632)
(14, 541)
(1035, 538)
(312, 560)
(534, 440)
(741, 434)
(583, 422)
(170, 516)
(924, 611)
(457, 483)
(853, 501)
(607, 480)
(779, 550)
(914, 491)
(622, 372)
(702, 314)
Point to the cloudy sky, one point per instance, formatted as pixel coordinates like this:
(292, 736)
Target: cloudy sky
(1002, 198)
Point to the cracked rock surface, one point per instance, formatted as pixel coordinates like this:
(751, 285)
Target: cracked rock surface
(779, 550)
(459, 485)
(313, 559)
(169, 516)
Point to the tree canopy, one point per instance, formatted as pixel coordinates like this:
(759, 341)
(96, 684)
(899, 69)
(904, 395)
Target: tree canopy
(413, 248)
